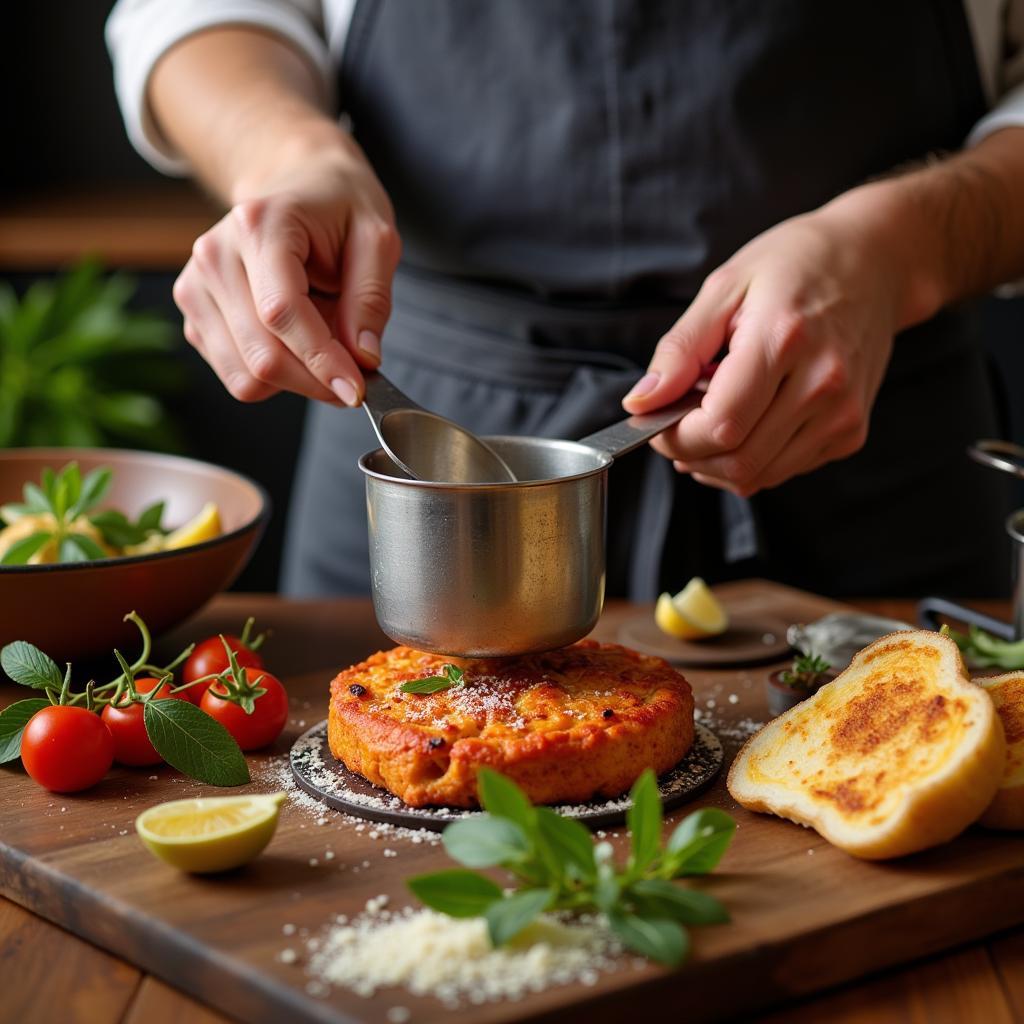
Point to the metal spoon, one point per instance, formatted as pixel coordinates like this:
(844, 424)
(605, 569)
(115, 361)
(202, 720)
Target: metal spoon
(427, 446)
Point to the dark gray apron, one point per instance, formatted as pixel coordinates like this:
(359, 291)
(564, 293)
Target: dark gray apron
(565, 174)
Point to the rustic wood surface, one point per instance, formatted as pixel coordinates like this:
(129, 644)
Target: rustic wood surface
(796, 926)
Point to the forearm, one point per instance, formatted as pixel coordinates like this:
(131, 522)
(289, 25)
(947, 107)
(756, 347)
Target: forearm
(953, 229)
(242, 105)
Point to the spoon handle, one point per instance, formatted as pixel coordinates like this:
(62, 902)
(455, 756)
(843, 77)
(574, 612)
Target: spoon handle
(1004, 455)
(624, 436)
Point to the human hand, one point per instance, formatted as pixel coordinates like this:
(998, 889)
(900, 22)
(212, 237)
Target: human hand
(808, 310)
(290, 291)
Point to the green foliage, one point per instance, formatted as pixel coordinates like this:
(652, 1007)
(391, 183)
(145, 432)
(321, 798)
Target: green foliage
(806, 672)
(983, 650)
(557, 866)
(77, 368)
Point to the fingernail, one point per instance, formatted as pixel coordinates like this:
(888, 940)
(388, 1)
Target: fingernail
(370, 344)
(645, 385)
(345, 390)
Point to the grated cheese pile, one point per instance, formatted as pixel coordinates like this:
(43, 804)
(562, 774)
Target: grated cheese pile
(452, 959)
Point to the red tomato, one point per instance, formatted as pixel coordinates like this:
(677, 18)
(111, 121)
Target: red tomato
(265, 723)
(66, 749)
(126, 725)
(209, 658)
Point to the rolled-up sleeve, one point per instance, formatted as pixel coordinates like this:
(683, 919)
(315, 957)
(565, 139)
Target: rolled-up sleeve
(140, 32)
(1007, 75)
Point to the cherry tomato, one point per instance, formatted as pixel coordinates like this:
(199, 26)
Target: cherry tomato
(126, 725)
(209, 658)
(269, 715)
(66, 749)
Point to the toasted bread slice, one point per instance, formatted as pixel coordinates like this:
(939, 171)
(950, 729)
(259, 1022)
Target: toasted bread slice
(1007, 693)
(898, 753)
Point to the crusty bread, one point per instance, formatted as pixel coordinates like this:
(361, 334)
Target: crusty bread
(898, 753)
(566, 725)
(1007, 693)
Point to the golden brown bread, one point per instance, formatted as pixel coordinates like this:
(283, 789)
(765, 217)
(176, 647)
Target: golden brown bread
(566, 725)
(1007, 808)
(900, 752)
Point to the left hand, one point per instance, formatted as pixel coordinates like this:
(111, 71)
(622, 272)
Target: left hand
(808, 310)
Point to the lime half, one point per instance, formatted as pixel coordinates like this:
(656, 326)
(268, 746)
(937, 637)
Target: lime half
(212, 833)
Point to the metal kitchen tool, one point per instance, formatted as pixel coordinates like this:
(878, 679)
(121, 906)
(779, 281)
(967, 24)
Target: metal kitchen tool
(1008, 458)
(426, 446)
(489, 570)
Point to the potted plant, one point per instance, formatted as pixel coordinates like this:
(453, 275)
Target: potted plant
(786, 687)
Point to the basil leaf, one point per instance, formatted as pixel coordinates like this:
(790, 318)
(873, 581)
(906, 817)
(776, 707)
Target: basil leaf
(71, 478)
(455, 892)
(504, 799)
(191, 741)
(570, 842)
(117, 531)
(35, 499)
(21, 551)
(606, 888)
(508, 917)
(49, 482)
(663, 941)
(12, 512)
(697, 844)
(644, 821)
(454, 673)
(27, 665)
(87, 546)
(60, 497)
(484, 841)
(655, 897)
(151, 516)
(93, 488)
(13, 720)
(70, 552)
(431, 684)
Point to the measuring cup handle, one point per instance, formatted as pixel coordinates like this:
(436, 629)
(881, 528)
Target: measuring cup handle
(1003, 455)
(624, 436)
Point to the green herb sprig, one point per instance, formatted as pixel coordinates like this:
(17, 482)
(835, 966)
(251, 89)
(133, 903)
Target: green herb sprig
(185, 736)
(557, 867)
(806, 672)
(451, 675)
(983, 650)
(66, 499)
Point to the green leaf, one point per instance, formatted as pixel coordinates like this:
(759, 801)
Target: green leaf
(606, 888)
(21, 551)
(661, 940)
(191, 741)
(151, 516)
(12, 512)
(29, 666)
(94, 487)
(644, 821)
(698, 843)
(72, 478)
(87, 549)
(656, 897)
(35, 499)
(570, 842)
(506, 918)
(455, 892)
(504, 799)
(430, 684)
(13, 720)
(117, 531)
(485, 841)
(60, 497)
(49, 482)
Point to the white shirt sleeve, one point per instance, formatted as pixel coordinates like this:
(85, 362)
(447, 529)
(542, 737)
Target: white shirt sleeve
(998, 29)
(139, 32)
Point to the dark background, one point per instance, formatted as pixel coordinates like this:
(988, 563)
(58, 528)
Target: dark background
(63, 129)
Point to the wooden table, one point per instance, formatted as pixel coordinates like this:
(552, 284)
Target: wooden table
(47, 974)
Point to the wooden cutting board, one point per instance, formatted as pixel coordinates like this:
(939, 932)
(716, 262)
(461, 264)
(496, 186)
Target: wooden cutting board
(805, 915)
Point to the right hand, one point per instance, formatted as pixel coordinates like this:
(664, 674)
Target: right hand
(290, 291)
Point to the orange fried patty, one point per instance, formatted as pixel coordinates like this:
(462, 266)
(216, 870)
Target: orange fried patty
(566, 725)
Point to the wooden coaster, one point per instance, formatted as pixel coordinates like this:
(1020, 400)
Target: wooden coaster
(750, 638)
(322, 776)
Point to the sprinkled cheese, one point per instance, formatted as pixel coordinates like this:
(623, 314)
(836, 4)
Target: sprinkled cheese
(452, 959)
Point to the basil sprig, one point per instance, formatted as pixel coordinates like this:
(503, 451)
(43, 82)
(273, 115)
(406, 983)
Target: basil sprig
(451, 675)
(983, 650)
(558, 867)
(64, 501)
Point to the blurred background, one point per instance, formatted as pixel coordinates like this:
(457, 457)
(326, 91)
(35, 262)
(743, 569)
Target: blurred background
(71, 186)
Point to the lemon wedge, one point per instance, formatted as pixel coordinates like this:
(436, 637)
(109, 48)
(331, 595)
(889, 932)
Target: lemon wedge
(211, 833)
(693, 614)
(204, 526)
